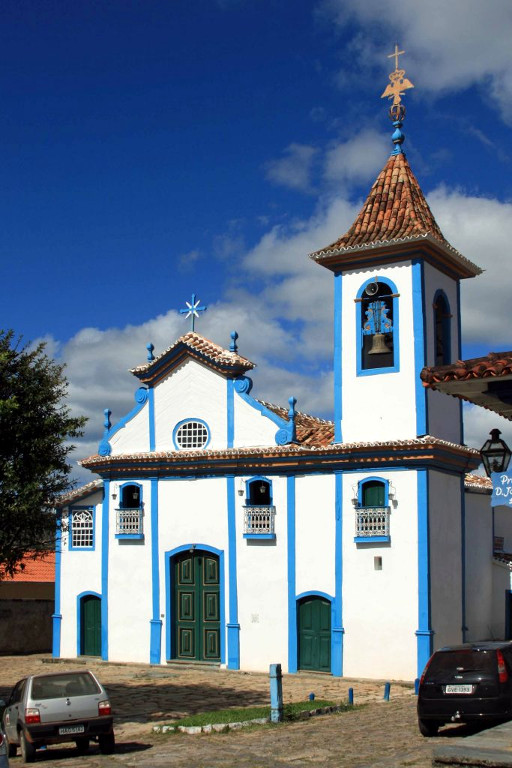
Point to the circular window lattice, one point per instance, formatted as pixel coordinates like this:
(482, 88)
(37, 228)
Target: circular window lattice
(192, 434)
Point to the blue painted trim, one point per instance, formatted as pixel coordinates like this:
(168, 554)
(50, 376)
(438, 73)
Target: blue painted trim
(259, 536)
(420, 349)
(56, 615)
(125, 485)
(359, 331)
(463, 556)
(459, 357)
(291, 572)
(230, 412)
(286, 432)
(233, 626)
(87, 593)
(155, 650)
(372, 539)
(141, 398)
(338, 358)
(104, 569)
(424, 633)
(255, 479)
(127, 536)
(446, 327)
(186, 421)
(314, 593)
(374, 479)
(337, 624)
(151, 417)
(81, 508)
(168, 556)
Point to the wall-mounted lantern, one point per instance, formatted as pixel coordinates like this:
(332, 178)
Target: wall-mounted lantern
(495, 453)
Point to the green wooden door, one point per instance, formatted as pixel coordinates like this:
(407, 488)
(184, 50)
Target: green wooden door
(196, 607)
(315, 634)
(91, 626)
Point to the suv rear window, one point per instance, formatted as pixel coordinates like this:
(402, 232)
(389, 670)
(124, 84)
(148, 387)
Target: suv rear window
(62, 686)
(470, 661)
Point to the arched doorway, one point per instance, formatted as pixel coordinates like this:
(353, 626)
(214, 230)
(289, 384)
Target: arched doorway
(195, 608)
(314, 633)
(90, 625)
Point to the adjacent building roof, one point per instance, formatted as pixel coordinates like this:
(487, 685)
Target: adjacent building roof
(395, 218)
(41, 569)
(195, 346)
(310, 430)
(484, 381)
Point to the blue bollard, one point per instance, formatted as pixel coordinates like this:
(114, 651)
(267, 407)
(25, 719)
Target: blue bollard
(311, 697)
(387, 688)
(351, 696)
(416, 686)
(276, 693)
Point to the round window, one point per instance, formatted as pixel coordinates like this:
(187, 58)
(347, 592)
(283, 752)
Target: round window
(191, 434)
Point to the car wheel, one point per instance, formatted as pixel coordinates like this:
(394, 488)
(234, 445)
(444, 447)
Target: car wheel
(428, 727)
(107, 743)
(11, 748)
(28, 751)
(82, 745)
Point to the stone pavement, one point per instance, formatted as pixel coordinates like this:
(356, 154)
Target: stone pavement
(380, 735)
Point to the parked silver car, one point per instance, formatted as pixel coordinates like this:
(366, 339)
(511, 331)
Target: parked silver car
(55, 708)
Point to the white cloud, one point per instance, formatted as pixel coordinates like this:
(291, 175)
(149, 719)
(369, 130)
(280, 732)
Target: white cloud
(294, 169)
(450, 45)
(356, 160)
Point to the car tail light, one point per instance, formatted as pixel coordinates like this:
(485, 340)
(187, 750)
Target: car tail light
(32, 716)
(104, 708)
(425, 670)
(502, 669)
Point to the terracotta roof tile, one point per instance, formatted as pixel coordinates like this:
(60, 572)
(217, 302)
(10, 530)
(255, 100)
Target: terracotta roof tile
(478, 483)
(41, 569)
(310, 430)
(495, 364)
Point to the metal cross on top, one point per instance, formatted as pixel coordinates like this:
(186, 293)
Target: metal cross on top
(192, 310)
(395, 55)
(395, 90)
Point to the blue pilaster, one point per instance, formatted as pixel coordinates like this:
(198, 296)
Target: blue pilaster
(424, 633)
(337, 629)
(464, 628)
(56, 615)
(292, 594)
(104, 569)
(233, 627)
(420, 340)
(155, 649)
(338, 401)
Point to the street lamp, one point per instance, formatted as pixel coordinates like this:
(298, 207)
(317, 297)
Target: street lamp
(495, 453)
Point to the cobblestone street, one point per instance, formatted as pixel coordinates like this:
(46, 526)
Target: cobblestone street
(380, 734)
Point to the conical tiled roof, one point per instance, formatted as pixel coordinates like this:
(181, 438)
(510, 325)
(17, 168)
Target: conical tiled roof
(395, 213)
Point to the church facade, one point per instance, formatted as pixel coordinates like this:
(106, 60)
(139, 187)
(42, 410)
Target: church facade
(228, 530)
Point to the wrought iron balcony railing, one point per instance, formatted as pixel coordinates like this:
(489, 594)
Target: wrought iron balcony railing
(259, 520)
(372, 521)
(129, 522)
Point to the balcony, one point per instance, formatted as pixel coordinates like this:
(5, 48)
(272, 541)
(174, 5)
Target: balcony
(129, 523)
(372, 525)
(259, 522)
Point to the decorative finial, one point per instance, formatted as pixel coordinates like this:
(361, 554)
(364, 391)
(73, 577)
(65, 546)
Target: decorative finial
(150, 347)
(395, 90)
(233, 346)
(192, 310)
(106, 422)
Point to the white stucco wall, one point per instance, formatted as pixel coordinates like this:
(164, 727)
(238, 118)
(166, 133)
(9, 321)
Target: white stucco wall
(445, 557)
(315, 534)
(479, 568)
(380, 606)
(134, 435)
(251, 426)
(378, 406)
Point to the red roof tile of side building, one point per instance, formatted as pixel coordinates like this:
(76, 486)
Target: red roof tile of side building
(310, 430)
(493, 365)
(42, 569)
(395, 213)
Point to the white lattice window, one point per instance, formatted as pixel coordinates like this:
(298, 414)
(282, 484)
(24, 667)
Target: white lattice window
(82, 528)
(191, 434)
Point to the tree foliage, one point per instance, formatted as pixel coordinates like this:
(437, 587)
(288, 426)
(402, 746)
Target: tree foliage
(35, 428)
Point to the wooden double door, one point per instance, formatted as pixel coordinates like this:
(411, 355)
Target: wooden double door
(314, 629)
(195, 606)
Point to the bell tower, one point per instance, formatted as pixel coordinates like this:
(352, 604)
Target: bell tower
(396, 305)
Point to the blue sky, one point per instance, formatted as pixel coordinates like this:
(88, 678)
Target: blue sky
(158, 148)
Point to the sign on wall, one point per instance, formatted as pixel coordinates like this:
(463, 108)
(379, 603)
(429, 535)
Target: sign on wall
(501, 489)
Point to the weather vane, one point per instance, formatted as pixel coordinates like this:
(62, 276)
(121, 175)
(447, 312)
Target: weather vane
(192, 310)
(395, 90)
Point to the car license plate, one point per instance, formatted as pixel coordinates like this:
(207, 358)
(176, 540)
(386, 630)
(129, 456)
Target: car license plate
(71, 729)
(458, 689)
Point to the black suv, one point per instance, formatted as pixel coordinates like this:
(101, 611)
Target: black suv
(464, 683)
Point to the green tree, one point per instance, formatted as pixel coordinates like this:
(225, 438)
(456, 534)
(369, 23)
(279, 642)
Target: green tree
(35, 428)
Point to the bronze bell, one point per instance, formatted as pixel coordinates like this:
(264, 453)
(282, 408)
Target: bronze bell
(379, 345)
